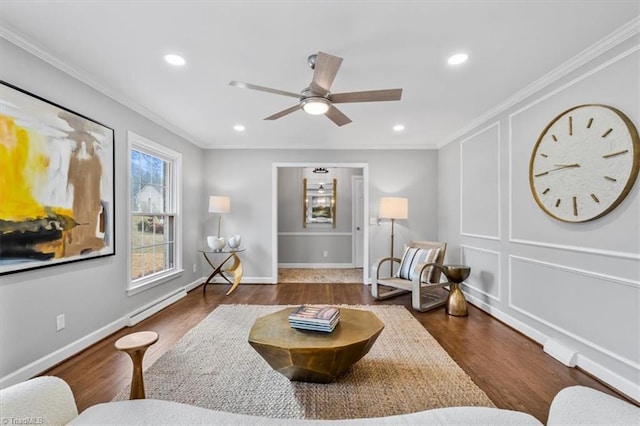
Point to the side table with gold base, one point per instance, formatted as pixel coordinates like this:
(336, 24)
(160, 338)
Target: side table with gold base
(235, 270)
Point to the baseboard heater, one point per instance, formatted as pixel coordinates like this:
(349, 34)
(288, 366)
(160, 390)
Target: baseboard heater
(155, 306)
(565, 355)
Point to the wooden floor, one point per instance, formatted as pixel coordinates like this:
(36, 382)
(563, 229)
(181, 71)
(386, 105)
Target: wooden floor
(514, 371)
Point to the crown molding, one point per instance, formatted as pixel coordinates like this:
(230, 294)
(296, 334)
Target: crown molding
(372, 147)
(12, 36)
(623, 33)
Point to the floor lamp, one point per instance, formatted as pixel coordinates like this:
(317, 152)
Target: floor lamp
(393, 208)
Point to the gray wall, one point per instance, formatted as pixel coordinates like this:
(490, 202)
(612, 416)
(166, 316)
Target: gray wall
(245, 175)
(574, 287)
(90, 293)
(305, 246)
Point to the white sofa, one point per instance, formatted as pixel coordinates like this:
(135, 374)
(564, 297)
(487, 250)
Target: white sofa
(49, 400)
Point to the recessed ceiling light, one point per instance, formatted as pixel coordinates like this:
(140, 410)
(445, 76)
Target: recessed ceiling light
(458, 59)
(398, 127)
(238, 128)
(176, 60)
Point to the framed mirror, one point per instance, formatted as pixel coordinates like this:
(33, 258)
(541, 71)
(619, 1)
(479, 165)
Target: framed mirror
(319, 202)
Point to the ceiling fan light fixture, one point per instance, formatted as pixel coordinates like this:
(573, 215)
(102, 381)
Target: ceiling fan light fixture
(315, 105)
(317, 98)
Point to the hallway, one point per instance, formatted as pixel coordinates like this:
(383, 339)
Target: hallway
(320, 275)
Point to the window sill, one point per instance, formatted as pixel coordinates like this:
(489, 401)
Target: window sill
(153, 281)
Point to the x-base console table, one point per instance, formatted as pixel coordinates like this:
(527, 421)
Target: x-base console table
(235, 270)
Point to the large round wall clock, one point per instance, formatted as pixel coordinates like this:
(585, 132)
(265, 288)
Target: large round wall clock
(584, 163)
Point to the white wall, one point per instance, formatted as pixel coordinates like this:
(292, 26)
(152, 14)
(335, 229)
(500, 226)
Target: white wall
(90, 293)
(245, 175)
(573, 286)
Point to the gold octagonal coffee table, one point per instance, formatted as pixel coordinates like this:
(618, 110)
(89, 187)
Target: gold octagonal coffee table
(314, 356)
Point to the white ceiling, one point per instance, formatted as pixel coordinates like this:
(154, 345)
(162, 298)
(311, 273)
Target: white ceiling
(118, 47)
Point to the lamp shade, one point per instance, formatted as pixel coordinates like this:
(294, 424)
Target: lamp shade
(219, 204)
(394, 208)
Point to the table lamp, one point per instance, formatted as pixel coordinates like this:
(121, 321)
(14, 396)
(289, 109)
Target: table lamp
(219, 205)
(393, 208)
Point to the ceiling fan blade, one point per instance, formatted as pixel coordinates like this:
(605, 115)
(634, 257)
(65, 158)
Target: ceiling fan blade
(367, 96)
(337, 116)
(324, 73)
(263, 89)
(283, 112)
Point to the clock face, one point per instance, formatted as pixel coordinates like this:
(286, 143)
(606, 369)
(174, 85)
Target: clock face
(584, 163)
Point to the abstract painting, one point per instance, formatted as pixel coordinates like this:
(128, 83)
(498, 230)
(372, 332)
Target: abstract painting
(56, 184)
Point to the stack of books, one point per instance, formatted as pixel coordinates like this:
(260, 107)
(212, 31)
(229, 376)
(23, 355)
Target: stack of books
(317, 318)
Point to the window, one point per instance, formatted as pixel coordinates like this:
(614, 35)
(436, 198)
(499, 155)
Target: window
(154, 173)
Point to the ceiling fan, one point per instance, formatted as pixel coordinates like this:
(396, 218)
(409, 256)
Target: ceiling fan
(317, 98)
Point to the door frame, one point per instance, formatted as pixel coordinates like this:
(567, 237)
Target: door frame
(274, 211)
(354, 208)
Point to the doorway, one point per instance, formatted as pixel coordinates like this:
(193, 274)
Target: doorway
(362, 213)
(320, 275)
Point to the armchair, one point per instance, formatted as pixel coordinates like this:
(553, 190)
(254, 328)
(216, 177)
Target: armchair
(419, 273)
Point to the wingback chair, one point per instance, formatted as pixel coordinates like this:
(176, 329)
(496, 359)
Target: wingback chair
(418, 273)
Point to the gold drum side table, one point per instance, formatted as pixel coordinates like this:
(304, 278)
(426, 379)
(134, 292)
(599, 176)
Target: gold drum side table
(456, 304)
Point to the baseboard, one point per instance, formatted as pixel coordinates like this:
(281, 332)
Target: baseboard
(622, 384)
(602, 373)
(520, 326)
(316, 265)
(155, 306)
(194, 284)
(56, 357)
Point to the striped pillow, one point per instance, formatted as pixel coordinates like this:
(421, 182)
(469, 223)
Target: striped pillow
(412, 257)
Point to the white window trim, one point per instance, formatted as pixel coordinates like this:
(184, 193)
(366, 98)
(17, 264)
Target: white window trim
(134, 140)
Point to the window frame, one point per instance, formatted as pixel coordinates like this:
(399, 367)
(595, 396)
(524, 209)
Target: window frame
(139, 143)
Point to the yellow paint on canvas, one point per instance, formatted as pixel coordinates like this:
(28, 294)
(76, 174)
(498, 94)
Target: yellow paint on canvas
(17, 170)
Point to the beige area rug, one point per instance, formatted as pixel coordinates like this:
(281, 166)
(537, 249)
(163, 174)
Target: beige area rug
(405, 371)
(320, 275)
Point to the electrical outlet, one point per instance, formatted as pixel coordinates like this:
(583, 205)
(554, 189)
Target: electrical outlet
(325, 253)
(60, 322)
(195, 268)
